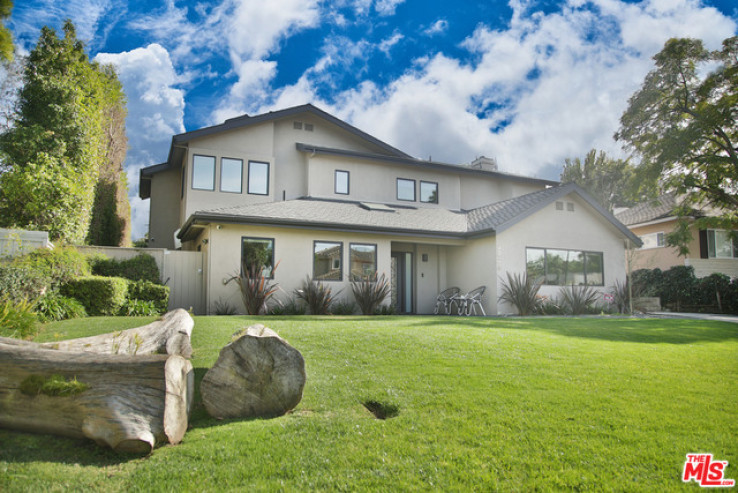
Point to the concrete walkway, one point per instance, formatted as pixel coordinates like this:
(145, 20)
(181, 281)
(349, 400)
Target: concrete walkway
(696, 316)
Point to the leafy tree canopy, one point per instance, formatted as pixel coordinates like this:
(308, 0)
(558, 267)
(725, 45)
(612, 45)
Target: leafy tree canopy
(682, 125)
(6, 38)
(610, 181)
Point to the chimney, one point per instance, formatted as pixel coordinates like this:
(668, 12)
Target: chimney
(485, 163)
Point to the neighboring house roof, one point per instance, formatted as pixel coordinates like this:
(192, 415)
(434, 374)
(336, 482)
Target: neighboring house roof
(176, 150)
(411, 161)
(392, 219)
(659, 208)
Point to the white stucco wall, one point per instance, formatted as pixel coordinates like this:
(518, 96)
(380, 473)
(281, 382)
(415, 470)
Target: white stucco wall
(474, 265)
(582, 229)
(164, 214)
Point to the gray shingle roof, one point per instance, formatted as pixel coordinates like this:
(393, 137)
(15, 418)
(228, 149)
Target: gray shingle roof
(355, 216)
(659, 208)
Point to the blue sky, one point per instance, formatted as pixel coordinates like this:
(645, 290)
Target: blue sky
(527, 82)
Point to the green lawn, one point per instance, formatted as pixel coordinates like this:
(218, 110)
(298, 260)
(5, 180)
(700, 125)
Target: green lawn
(484, 404)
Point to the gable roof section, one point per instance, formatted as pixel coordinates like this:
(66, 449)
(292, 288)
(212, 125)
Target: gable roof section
(176, 150)
(427, 222)
(653, 210)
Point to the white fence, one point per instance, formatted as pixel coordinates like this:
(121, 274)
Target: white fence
(180, 270)
(15, 242)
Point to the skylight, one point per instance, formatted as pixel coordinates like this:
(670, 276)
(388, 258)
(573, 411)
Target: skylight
(370, 206)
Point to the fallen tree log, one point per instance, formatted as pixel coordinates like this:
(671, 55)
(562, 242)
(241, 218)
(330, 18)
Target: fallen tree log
(170, 334)
(129, 403)
(257, 375)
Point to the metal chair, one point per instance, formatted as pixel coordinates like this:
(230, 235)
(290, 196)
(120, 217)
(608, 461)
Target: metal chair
(445, 298)
(468, 303)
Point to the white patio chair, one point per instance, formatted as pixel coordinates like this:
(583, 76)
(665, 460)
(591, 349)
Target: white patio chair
(445, 298)
(469, 302)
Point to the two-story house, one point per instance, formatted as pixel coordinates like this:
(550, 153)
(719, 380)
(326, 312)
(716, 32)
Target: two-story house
(308, 191)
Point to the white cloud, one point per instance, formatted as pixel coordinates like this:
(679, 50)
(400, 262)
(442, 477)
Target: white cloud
(387, 7)
(438, 27)
(155, 113)
(386, 45)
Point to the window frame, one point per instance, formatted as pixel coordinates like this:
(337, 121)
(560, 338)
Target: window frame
(335, 182)
(259, 239)
(194, 167)
(712, 247)
(420, 194)
(268, 172)
(585, 254)
(397, 189)
(340, 258)
(659, 243)
(376, 255)
(240, 181)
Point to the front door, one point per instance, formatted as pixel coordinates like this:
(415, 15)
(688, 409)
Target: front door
(402, 281)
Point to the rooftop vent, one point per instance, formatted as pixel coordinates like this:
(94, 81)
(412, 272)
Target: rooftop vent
(485, 163)
(376, 207)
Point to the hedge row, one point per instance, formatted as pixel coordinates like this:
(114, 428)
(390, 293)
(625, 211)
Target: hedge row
(680, 290)
(140, 268)
(113, 295)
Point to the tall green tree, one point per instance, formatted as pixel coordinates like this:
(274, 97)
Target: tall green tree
(6, 37)
(610, 181)
(682, 123)
(70, 115)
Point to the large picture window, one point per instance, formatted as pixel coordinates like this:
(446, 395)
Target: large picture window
(564, 267)
(203, 172)
(341, 182)
(406, 189)
(231, 175)
(258, 178)
(429, 192)
(327, 261)
(362, 261)
(721, 244)
(258, 252)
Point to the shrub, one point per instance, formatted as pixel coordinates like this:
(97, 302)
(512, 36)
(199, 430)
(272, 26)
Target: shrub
(578, 300)
(60, 265)
(647, 282)
(99, 295)
(370, 293)
(386, 310)
(621, 296)
(716, 292)
(256, 289)
(522, 293)
(19, 283)
(550, 307)
(290, 307)
(224, 308)
(138, 308)
(17, 319)
(316, 295)
(140, 268)
(150, 292)
(54, 307)
(679, 286)
(343, 307)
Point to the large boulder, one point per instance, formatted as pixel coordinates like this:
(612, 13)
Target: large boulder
(257, 375)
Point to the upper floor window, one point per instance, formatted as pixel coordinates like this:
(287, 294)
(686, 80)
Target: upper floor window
(341, 180)
(721, 244)
(203, 172)
(327, 257)
(653, 240)
(231, 175)
(258, 178)
(564, 267)
(406, 189)
(429, 192)
(362, 261)
(258, 253)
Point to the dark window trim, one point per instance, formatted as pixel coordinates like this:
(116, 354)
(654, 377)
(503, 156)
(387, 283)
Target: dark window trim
(335, 182)
(274, 248)
(585, 252)
(240, 183)
(376, 255)
(421, 190)
(269, 170)
(397, 189)
(340, 256)
(193, 172)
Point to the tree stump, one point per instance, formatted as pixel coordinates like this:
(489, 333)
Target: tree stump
(129, 403)
(168, 335)
(257, 375)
